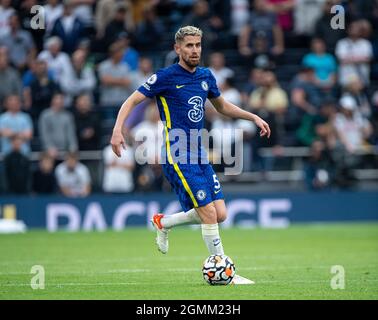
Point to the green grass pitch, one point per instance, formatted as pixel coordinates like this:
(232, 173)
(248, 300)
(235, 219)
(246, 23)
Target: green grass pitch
(293, 263)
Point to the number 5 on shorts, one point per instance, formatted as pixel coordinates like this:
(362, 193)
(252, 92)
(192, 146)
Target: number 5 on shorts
(216, 182)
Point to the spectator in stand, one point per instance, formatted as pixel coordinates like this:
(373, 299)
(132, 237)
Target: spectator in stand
(261, 57)
(9, 78)
(354, 89)
(68, 28)
(306, 13)
(38, 94)
(53, 11)
(73, 177)
(14, 122)
(30, 74)
(148, 174)
(262, 24)
(220, 22)
(44, 181)
(83, 10)
(352, 131)
(78, 80)
(229, 92)
(144, 71)
(305, 95)
(105, 12)
(200, 17)
(57, 61)
(271, 101)
(149, 31)
(318, 168)
(6, 11)
(323, 63)
(148, 128)
(269, 95)
(116, 84)
(218, 68)
(151, 178)
(318, 126)
(115, 27)
(254, 81)
(354, 54)
(130, 56)
(118, 172)
(240, 16)
(358, 9)
(218, 122)
(322, 27)
(284, 11)
(19, 43)
(17, 168)
(57, 128)
(87, 122)
(257, 161)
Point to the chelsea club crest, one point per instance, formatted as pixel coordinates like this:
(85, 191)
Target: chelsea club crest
(204, 85)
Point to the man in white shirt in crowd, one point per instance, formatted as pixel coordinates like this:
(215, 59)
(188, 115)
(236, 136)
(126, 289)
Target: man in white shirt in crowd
(354, 54)
(218, 68)
(118, 172)
(57, 61)
(73, 177)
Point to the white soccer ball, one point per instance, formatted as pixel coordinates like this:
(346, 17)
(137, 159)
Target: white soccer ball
(218, 270)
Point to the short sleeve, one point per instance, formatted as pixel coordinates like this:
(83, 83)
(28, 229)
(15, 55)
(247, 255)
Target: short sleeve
(213, 88)
(154, 85)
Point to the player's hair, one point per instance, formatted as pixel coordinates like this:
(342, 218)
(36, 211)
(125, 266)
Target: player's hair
(187, 31)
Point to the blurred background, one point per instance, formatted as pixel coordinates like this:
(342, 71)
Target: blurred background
(307, 67)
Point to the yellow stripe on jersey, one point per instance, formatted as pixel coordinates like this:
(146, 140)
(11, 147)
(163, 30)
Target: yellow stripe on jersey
(170, 159)
(166, 112)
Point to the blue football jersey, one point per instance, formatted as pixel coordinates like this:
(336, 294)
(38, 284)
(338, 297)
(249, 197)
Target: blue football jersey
(181, 97)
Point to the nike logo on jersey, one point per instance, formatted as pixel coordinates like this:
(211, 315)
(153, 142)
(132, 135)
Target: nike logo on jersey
(178, 87)
(217, 191)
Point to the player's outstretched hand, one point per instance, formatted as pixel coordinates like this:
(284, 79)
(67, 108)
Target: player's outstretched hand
(264, 126)
(117, 141)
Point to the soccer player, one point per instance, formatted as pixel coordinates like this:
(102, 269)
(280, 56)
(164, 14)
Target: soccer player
(181, 91)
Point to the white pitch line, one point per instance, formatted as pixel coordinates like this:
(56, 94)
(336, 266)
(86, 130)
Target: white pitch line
(145, 270)
(79, 284)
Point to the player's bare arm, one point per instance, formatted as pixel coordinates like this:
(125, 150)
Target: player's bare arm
(118, 141)
(228, 109)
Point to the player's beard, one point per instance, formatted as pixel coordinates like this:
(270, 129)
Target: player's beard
(191, 63)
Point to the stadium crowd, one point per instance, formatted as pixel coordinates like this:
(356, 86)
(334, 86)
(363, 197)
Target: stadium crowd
(61, 86)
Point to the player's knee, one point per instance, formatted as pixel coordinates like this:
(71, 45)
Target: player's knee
(208, 214)
(221, 209)
(221, 215)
